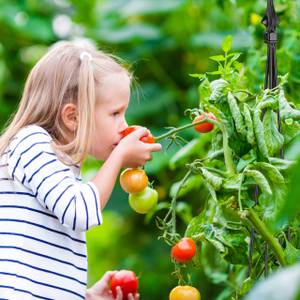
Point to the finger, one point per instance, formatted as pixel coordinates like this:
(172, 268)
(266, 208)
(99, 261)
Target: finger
(137, 297)
(104, 281)
(139, 133)
(130, 297)
(119, 293)
(155, 147)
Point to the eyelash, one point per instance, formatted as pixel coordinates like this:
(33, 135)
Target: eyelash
(116, 113)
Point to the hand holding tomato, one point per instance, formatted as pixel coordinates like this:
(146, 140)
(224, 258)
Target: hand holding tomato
(184, 250)
(127, 281)
(133, 153)
(148, 138)
(101, 290)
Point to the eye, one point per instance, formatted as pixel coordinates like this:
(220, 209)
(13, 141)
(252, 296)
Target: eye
(116, 113)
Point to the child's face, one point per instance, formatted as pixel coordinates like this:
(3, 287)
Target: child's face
(112, 103)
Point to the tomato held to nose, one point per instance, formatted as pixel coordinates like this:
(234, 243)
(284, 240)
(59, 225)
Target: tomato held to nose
(127, 281)
(146, 139)
(144, 201)
(133, 180)
(184, 250)
(206, 126)
(184, 292)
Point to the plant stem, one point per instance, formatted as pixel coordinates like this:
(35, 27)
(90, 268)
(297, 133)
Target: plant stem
(173, 203)
(264, 232)
(178, 129)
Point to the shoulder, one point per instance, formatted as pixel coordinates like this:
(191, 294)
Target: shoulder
(32, 130)
(29, 135)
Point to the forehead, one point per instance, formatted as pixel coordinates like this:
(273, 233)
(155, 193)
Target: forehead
(114, 89)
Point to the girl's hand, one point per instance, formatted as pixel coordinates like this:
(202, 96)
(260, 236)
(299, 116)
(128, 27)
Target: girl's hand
(101, 290)
(133, 152)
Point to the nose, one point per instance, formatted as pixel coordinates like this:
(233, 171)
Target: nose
(123, 126)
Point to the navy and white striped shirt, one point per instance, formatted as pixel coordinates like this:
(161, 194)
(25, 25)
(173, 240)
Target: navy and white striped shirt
(45, 210)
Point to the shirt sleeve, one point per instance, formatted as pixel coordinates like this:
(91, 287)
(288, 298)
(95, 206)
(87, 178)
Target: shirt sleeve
(32, 161)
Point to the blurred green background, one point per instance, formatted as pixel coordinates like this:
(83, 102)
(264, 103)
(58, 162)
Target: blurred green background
(162, 42)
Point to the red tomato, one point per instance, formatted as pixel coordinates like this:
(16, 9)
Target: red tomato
(146, 139)
(133, 180)
(206, 126)
(127, 281)
(128, 130)
(184, 292)
(184, 250)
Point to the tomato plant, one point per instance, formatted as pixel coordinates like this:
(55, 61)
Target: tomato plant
(184, 250)
(205, 126)
(133, 180)
(144, 201)
(244, 176)
(127, 281)
(184, 293)
(146, 139)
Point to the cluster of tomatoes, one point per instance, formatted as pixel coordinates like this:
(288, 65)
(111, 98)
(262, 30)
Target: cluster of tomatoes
(142, 198)
(182, 252)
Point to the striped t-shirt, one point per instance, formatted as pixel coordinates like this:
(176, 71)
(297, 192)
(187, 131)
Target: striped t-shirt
(45, 210)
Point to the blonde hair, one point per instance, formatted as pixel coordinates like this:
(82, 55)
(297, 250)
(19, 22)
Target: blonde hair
(63, 75)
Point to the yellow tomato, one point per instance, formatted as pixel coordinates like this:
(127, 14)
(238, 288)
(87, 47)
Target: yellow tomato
(184, 292)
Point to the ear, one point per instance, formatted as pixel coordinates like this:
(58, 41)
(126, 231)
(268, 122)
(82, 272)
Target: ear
(69, 116)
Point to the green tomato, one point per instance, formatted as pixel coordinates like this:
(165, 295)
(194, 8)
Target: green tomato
(143, 201)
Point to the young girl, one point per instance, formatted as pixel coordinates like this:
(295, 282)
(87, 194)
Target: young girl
(74, 104)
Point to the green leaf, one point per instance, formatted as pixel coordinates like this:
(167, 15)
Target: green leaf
(292, 255)
(184, 211)
(227, 43)
(237, 115)
(291, 207)
(182, 156)
(249, 124)
(214, 180)
(272, 173)
(259, 133)
(260, 179)
(192, 183)
(199, 76)
(284, 284)
(233, 183)
(286, 111)
(204, 90)
(245, 160)
(218, 88)
(217, 58)
(274, 139)
(281, 164)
